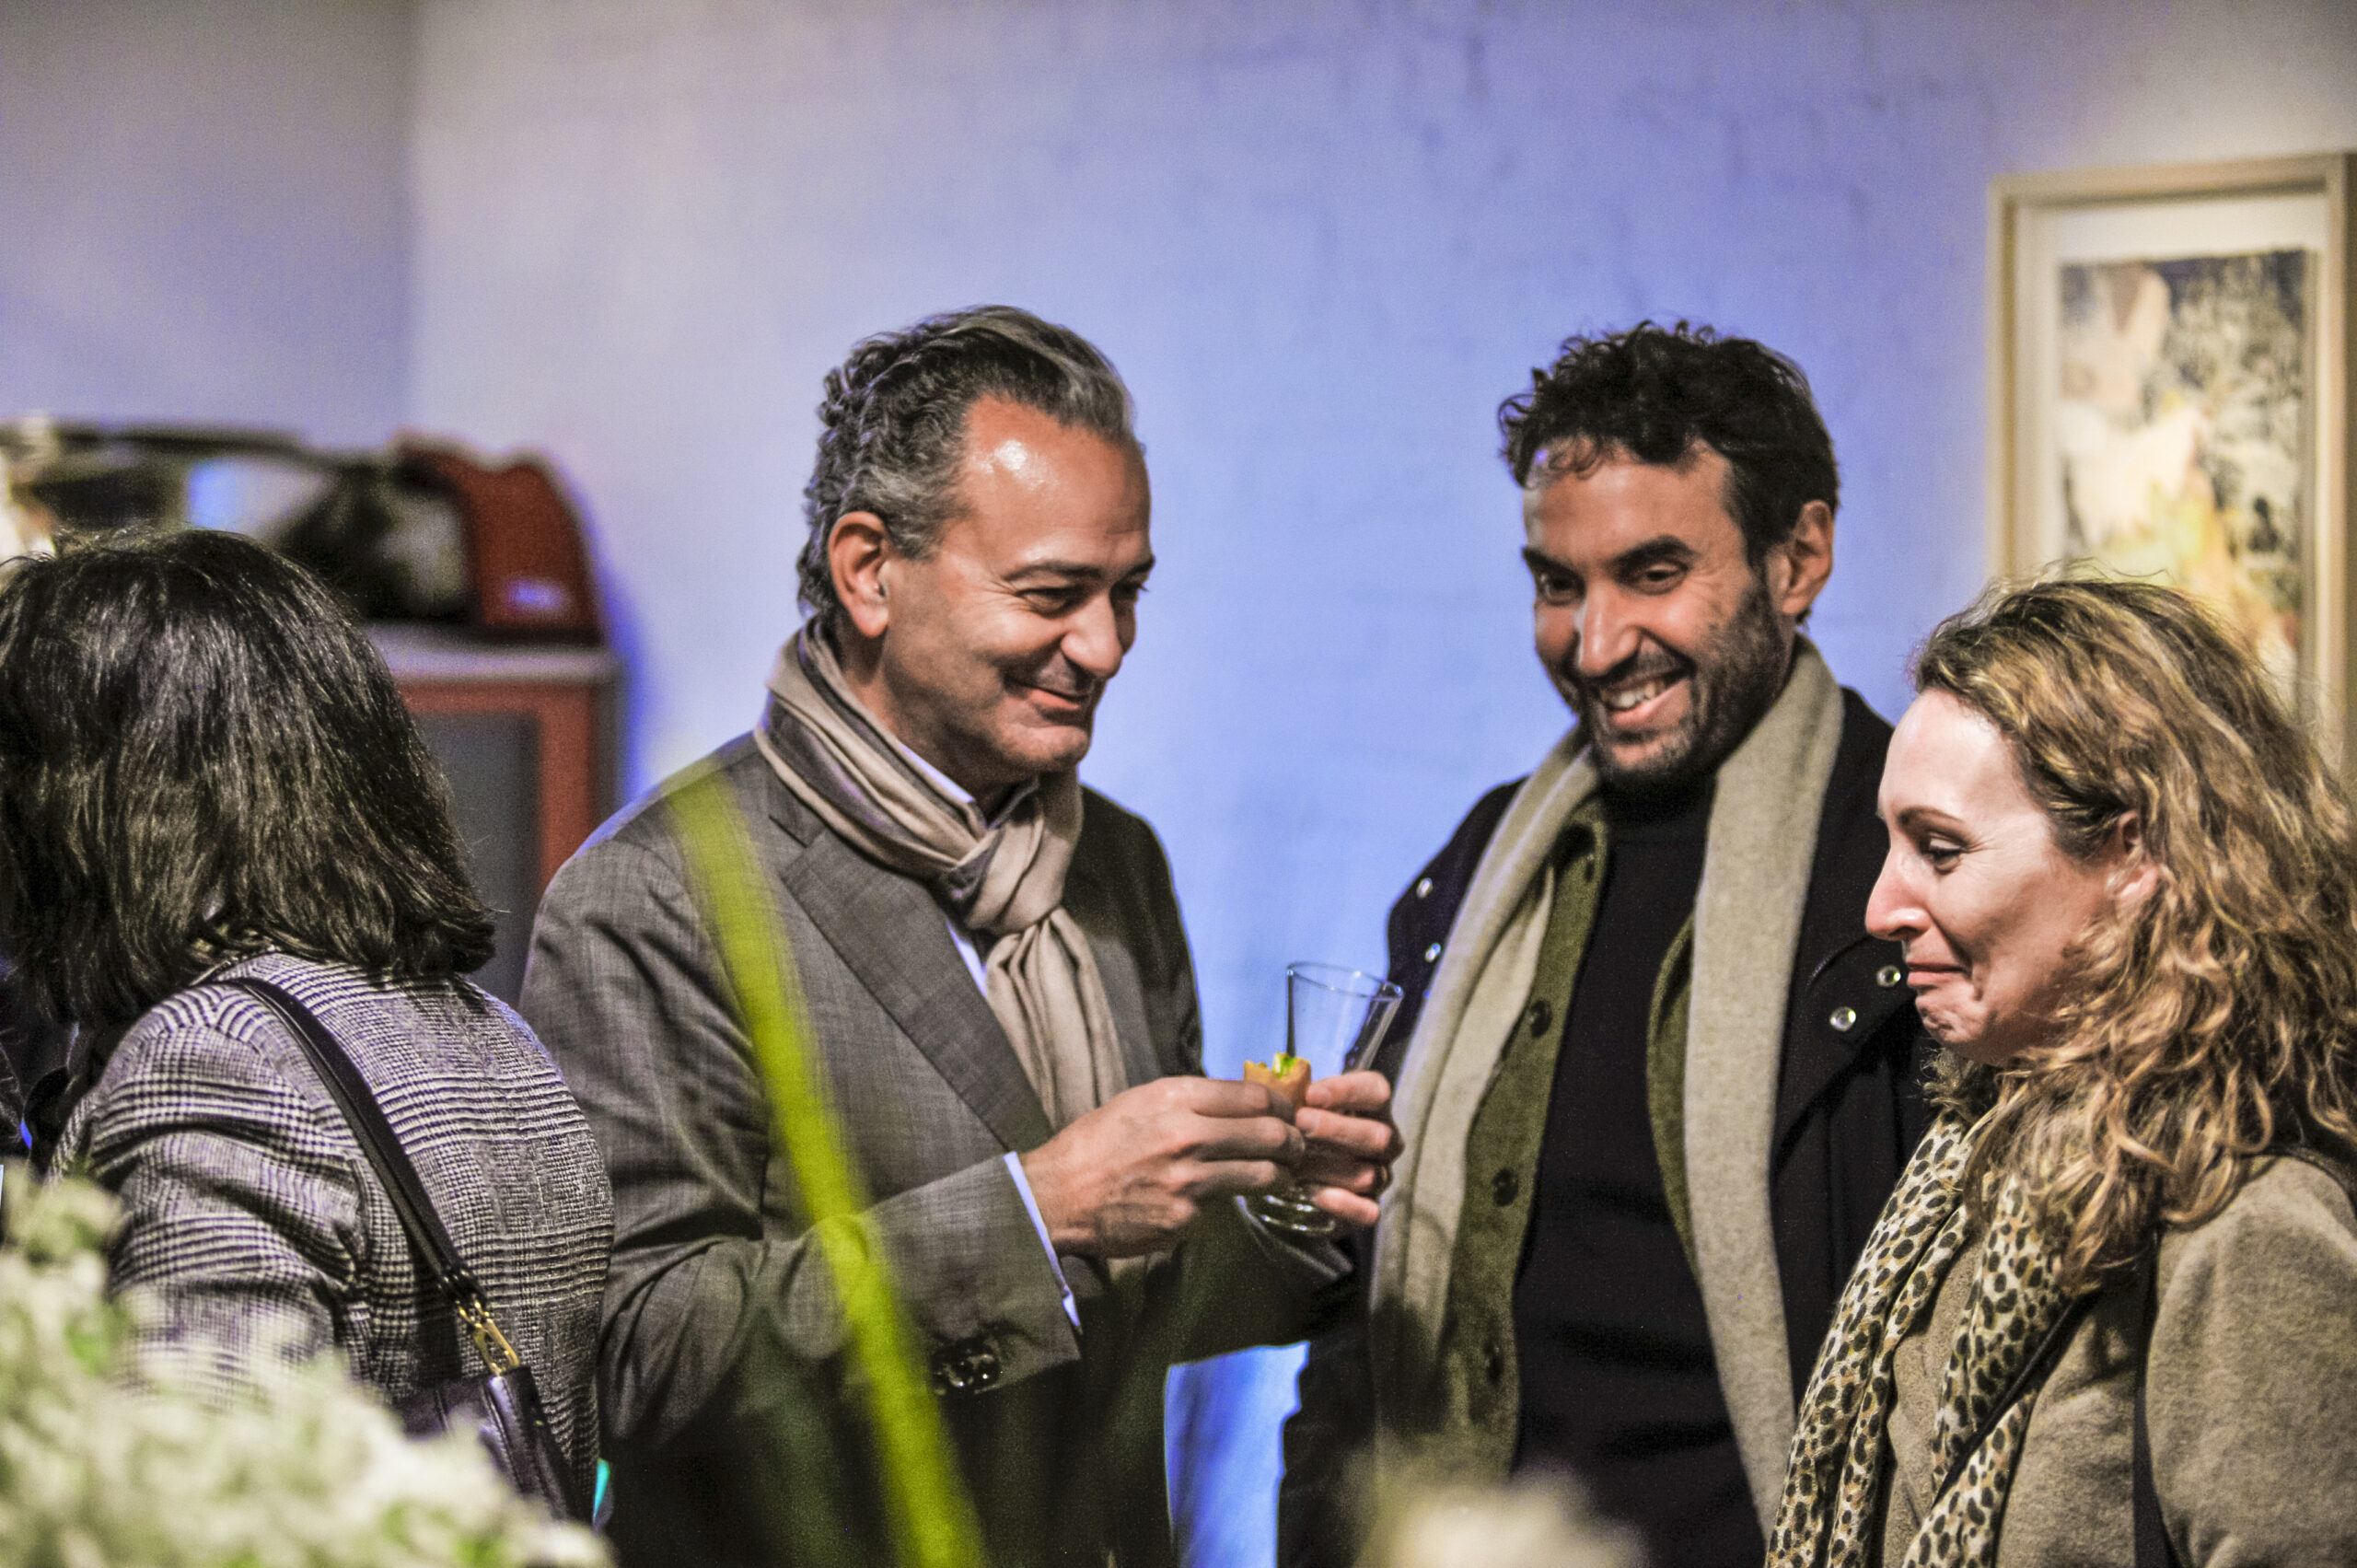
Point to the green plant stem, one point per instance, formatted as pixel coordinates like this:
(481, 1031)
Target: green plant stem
(933, 1520)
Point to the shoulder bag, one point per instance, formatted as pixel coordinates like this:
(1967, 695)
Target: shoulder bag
(502, 1406)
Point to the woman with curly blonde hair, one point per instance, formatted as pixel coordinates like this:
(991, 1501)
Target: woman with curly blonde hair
(2109, 1315)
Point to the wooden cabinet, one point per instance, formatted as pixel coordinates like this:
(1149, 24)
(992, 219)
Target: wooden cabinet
(526, 736)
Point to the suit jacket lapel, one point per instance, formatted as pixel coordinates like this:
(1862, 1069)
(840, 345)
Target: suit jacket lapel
(893, 936)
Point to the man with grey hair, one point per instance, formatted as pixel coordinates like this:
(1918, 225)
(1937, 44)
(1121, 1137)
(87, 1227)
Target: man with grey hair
(999, 987)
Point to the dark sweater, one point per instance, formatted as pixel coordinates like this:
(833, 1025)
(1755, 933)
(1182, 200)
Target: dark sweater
(1618, 1385)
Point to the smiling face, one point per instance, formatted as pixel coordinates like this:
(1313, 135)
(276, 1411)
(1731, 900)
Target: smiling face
(1650, 618)
(1983, 902)
(988, 654)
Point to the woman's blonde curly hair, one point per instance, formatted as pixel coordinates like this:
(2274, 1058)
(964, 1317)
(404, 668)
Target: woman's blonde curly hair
(2215, 1018)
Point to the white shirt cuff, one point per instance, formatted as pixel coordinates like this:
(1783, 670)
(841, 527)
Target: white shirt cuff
(1032, 1207)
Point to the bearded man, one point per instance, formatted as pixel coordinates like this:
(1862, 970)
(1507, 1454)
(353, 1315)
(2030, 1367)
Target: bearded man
(1657, 1080)
(999, 992)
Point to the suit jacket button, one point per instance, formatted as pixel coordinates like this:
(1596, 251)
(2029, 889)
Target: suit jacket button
(1505, 1187)
(1541, 1014)
(1843, 1018)
(1887, 975)
(966, 1366)
(1423, 887)
(1432, 952)
(1493, 1363)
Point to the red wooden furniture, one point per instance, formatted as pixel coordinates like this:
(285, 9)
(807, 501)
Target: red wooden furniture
(527, 736)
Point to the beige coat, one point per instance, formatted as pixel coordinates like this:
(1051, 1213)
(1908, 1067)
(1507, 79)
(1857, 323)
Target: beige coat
(2252, 1399)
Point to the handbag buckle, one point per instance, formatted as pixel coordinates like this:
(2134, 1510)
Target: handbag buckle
(497, 1354)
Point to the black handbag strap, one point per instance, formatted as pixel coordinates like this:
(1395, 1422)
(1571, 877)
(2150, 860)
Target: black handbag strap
(2153, 1548)
(382, 1147)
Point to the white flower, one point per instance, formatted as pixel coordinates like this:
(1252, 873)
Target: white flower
(111, 1459)
(1531, 1523)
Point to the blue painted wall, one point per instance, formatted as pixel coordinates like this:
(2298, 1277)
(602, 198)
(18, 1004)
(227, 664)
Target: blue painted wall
(205, 210)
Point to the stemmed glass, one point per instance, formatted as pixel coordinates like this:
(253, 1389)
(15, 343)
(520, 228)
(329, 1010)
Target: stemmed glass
(1334, 1020)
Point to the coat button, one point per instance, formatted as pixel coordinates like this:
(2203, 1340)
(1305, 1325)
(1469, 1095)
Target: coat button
(968, 1366)
(1432, 952)
(1887, 975)
(1423, 887)
(1493, 1363)
(1504, 1187)
(1843, 1018)
(1540, 1015)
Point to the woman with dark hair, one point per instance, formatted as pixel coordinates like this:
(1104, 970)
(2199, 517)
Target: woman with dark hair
(2109, 1316)
(206, 773)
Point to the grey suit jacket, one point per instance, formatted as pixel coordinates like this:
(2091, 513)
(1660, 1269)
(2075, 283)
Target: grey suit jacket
(734, 1431)
(253, 1224)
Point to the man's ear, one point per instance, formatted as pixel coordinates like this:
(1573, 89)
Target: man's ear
(1797, 569)
(859, 553)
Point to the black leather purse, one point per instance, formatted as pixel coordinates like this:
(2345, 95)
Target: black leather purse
(503, 1406)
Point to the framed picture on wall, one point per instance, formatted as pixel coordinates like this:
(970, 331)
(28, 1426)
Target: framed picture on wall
(2169, 354)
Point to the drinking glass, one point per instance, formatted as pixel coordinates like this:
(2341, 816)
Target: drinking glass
(1334, 1020)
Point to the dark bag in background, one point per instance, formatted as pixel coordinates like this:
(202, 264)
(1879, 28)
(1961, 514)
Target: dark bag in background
(502, 1406)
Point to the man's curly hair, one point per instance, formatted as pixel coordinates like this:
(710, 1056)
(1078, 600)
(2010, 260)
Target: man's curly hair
(892, 425)
(1658, 394)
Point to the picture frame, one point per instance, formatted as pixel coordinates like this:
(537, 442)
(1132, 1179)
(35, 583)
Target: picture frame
(2169, 349)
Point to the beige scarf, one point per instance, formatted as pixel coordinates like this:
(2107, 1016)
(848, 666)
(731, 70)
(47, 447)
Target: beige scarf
(1005, 881)
(1762, 838)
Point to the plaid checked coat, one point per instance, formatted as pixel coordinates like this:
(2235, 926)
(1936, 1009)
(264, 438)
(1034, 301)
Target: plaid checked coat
(252, 1222)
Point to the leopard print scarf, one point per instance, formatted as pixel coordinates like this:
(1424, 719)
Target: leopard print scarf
(1841, 1458)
